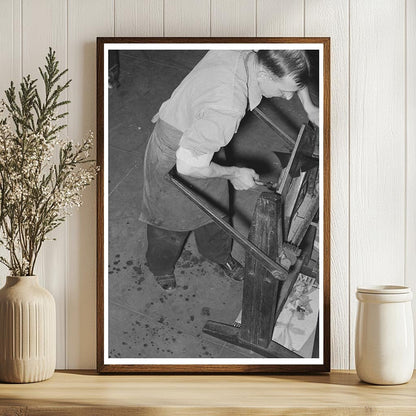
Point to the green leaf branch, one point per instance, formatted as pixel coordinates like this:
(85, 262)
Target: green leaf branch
(36, 193)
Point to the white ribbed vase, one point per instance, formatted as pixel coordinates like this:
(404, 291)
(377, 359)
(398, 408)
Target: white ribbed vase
(27, 331)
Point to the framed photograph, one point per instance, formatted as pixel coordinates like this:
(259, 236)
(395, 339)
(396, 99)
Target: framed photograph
(213, 205)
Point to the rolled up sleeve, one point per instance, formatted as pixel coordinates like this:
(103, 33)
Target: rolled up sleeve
(191, 159)
(212, 129)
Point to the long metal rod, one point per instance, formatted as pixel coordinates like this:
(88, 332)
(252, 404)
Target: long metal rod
(289, 140)
(277, 271)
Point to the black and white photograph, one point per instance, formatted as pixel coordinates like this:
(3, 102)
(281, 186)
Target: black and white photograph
(213, 204)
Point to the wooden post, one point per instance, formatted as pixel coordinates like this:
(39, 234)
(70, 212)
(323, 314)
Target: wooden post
(260, 288)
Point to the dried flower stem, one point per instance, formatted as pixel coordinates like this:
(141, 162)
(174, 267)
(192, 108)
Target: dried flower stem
(37, 194)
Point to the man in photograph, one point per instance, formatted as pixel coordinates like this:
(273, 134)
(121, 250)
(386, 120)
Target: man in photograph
(199, 119)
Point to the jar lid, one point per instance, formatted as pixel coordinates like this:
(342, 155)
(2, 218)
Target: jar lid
(384, 289)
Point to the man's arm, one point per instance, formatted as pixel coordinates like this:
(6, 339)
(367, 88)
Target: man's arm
(310, 108)
(202, 167)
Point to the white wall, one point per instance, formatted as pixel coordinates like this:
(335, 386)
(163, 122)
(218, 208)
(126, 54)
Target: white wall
(373, 128)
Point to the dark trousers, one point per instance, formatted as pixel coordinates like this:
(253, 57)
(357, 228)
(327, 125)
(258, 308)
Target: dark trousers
(165, 246)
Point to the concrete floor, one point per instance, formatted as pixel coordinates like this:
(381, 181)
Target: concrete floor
(144, 320)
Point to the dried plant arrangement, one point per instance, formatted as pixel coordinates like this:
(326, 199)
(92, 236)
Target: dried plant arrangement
(42, 175)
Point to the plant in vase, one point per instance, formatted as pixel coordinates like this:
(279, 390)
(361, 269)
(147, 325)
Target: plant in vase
(41, 178)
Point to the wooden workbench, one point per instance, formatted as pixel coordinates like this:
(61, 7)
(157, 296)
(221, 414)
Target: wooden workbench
(86, 393)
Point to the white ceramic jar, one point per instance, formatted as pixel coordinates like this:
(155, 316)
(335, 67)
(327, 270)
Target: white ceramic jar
(384, 337)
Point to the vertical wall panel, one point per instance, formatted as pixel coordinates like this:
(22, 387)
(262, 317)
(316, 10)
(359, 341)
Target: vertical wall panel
(138, 18)
(10, 44)
(187, 18)
(331, 18)
(44, 24)
(233, 18)
(10, 66)
(280, 18)
(411, 150)
(377, 153)
(6, 45)
(383, 223)
(87, 20)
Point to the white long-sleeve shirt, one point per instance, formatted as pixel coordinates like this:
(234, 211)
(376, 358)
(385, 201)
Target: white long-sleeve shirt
(210, 102)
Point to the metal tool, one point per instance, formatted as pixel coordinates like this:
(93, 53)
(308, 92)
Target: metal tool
(270, 185)
(286, 138)
(277, 270)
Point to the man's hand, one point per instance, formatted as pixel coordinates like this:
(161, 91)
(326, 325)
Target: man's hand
(243, 178)
(201, 167)
(313, 115)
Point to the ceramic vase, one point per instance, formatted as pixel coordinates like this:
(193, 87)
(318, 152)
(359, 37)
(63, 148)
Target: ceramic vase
(384, 342)
(27, 331)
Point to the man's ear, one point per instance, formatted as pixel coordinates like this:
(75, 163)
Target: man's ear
(262, 74)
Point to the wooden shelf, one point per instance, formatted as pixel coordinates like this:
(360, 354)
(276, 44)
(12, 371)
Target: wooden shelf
(86, 393)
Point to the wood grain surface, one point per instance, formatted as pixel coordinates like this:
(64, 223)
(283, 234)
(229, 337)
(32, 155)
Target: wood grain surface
(372, 57)
(187, 18)
(325, 313)
(377, 149)
(51, 264)
(85, 18)
(138, 18)
(330, 18)
(410, 262)
(233, 18)
(81, 393)
(280, 18)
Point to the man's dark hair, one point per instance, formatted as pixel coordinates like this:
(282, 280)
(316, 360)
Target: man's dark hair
(287, 62)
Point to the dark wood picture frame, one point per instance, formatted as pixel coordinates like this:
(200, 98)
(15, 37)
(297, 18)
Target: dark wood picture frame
(324, 152)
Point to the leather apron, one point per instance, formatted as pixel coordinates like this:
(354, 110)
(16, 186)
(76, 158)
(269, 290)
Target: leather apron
(164, 205)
